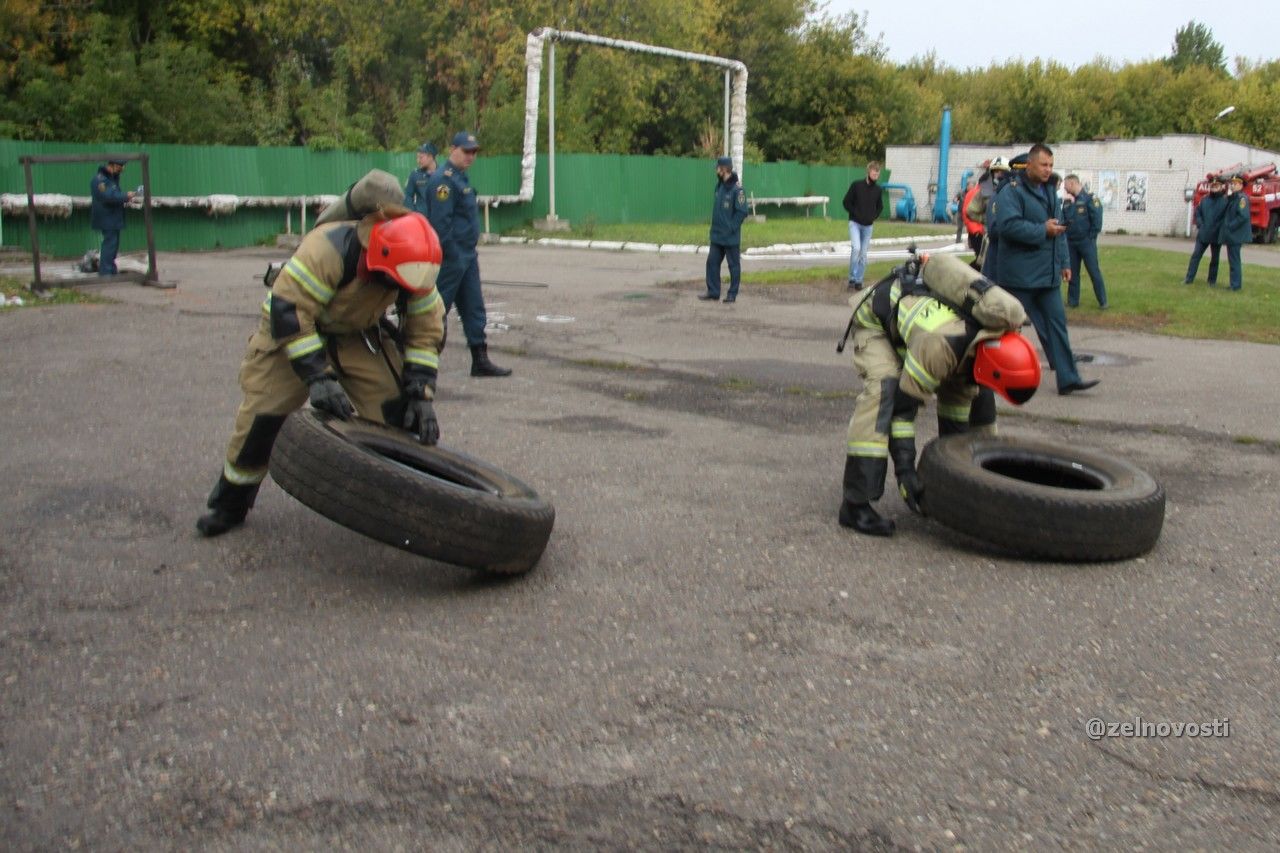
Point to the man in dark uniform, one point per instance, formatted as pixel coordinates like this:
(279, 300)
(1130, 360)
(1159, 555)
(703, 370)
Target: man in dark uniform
(456, 218)
(320, 339)
(1033, 258)
(728, 211)
(106, 213)
(415, 189)
(1237, 229)
(1082, 214)
(1209, 214)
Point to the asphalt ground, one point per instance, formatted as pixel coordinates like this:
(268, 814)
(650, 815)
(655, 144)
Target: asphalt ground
(703, 657)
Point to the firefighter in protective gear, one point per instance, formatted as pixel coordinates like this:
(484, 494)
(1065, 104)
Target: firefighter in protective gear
(909, 346)
(321, 339)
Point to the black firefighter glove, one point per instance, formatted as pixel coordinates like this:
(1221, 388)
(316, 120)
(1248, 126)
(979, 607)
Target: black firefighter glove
(912, 491)
(327, 396)
(419, 414)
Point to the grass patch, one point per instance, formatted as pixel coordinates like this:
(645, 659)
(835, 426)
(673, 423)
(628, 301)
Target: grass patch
(11, 287)
(605, 364)
(815, 394)
(754, 234)
(737, 383)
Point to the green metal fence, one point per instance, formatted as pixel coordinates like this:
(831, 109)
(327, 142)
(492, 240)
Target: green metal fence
(601, 188)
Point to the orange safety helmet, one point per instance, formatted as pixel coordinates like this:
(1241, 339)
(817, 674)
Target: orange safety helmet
(407, 249)
(1009, 366)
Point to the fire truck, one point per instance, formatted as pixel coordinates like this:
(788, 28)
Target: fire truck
(1262, 185)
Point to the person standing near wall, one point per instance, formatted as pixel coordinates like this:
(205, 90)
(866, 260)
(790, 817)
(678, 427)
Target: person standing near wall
(106, 212)
(864, 202)
(1208, 219)
(1236, 229)
(415, 189)
(728, 211)
(456, 219)
(1082, 214)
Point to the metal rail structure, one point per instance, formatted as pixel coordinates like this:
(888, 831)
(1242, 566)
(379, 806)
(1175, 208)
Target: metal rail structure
(735, 104)
(30, 160)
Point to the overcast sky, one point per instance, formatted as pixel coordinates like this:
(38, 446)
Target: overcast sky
(965, 35)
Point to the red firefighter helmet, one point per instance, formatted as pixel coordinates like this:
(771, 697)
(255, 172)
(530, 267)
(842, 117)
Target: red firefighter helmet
(407, 249)
(1009, 366)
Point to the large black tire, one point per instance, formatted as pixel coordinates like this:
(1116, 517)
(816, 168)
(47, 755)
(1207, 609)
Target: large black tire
(432, 501)
(1042, 500)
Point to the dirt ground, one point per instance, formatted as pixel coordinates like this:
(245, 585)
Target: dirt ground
(703, 657)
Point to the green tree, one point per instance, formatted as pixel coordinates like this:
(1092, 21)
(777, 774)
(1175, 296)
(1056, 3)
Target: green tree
(1194, 45)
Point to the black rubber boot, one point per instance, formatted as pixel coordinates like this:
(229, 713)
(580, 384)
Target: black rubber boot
(863, 483)
(230, 504)
(482, 366)
(864, 519)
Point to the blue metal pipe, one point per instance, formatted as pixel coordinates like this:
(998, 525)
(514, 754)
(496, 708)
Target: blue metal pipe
(941, 200)
(905, 209)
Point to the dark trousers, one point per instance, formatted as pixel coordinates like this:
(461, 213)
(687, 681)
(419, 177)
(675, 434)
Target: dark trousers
(717, 253)
(107, 254)
(1233, 262)
(1213, 248)
(1044, 307)
(1086, 252)
(461, 284)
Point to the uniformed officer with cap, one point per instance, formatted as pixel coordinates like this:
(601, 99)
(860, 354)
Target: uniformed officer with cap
(456, 218)
(106, 212)
(415, 189)
(728, 212)
(1082, 214)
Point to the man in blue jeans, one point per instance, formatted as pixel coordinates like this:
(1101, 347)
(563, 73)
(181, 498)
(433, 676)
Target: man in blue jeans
(729, 210)
(864, 202)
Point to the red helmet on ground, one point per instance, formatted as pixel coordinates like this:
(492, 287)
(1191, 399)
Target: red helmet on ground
(407, 249)
(1009, 366)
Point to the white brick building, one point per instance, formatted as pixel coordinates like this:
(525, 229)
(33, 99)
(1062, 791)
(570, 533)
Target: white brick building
(1141, 182)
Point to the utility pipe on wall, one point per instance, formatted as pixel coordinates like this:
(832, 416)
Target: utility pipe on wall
(941, 200)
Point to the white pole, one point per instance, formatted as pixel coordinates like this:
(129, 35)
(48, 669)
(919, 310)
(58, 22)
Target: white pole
(551, 134)
(303, 232)
(728, 84)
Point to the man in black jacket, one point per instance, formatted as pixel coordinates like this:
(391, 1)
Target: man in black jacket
(864, 201)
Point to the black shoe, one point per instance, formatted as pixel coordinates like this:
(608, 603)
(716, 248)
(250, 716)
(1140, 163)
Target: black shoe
(730, 299)
(864, 519)
(1082, 385)
(482, 366)
(218, 522)
(708, 297)
(1073, 304)
(855, 285)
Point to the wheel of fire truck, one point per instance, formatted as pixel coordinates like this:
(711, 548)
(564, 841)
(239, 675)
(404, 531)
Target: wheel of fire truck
(1041, 500)
(433, 501)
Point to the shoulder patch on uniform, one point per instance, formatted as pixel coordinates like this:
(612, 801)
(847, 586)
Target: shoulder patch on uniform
(102, 186)
(1097, 203)
(448, 172)
(442, 192)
